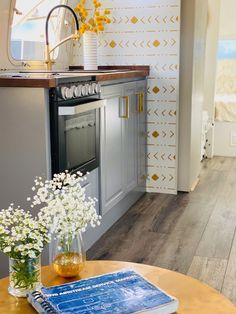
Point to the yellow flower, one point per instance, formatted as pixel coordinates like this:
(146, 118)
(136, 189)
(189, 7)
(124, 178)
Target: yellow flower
(101, 28)
(96, 20)
(91, 21)
(97, 5)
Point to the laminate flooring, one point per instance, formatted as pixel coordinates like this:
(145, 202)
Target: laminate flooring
(192, 233)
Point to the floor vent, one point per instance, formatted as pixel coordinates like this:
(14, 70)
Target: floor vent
(233, 139)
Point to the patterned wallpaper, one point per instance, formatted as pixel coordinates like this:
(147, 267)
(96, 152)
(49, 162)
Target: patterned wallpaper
(147, 32)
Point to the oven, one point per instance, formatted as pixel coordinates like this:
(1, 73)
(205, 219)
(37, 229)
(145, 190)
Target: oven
(75, 127)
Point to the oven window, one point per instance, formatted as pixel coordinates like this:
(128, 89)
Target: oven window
(80, 138)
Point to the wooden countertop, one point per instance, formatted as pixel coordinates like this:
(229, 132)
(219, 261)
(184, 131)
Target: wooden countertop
(47, 80)
(194, 297)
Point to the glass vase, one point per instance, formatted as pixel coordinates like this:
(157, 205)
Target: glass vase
(67, 255)
(90, 51)
(24, 276)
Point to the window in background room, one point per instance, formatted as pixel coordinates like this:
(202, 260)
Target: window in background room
(28, 28)
(225, 98)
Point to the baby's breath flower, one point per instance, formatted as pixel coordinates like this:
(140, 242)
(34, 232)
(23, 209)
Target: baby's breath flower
(65, 208)
(21, 233)
(7, 249)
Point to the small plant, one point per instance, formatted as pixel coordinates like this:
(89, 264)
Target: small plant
(94, 22)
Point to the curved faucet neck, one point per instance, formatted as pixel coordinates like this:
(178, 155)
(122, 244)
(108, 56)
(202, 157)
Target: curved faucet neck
(49, 14)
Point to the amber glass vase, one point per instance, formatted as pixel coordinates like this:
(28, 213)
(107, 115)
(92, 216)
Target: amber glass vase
(67, 255)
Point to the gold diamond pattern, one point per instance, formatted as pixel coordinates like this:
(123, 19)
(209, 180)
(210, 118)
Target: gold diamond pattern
(134, 20)
(156, 43)
(112, 44)
(155, 177)
(155, 134)
(156, 89)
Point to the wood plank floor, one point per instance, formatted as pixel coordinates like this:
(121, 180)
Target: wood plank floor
(192, 233)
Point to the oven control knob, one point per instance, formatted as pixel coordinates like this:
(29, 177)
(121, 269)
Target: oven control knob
(97, 88)
(94, 87)
(87, 89)
(69, 92)
(78, 91)
(83, 90)
(73, 88)
(66, 92)
(91, 89)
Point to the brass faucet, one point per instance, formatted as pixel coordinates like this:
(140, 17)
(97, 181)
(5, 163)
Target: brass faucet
(74, 36)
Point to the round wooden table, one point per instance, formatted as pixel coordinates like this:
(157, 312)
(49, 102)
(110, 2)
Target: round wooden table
(194, 296)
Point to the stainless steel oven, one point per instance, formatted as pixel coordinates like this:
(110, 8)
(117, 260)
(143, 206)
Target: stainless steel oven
(75, 127)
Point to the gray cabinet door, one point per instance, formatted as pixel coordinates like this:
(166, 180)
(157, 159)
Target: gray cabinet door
(112, 154)
(130, 136)
(142, 134)
(123, 142)
(91, 185)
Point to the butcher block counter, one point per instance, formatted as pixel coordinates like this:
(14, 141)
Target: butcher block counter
(44, 79)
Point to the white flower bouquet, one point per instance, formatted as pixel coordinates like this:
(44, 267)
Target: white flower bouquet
(65, 207)
(22, 238)
(68, 212)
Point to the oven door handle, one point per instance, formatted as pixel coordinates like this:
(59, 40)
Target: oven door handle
(72, 110)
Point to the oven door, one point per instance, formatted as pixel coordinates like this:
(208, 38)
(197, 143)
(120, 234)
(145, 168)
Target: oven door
(79, 136)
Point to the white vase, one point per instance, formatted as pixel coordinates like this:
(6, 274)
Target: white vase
(90, 51)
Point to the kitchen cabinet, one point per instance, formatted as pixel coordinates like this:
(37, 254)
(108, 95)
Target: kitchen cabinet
(122, 162)
(142, 134)
(130, 136)
(112, 149)
(91, 186)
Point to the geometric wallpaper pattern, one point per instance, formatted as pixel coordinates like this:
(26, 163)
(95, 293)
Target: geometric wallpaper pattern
(148, 33)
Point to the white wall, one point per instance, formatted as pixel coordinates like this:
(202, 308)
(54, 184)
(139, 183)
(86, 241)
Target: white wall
(192, 63)
(214, 7)
(223, 145)
(227, 19)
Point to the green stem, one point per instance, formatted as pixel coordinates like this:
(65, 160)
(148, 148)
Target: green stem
(25, 274)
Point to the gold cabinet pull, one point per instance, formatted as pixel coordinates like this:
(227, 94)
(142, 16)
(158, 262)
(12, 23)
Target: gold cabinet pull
(126, 115)
(140, 102)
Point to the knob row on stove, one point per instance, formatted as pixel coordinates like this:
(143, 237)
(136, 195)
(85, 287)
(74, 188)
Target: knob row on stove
(81, 90)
